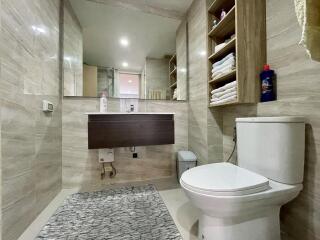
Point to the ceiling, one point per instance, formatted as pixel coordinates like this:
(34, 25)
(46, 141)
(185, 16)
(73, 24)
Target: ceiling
(150, 34)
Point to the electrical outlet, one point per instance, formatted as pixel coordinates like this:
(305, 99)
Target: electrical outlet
(135, 155)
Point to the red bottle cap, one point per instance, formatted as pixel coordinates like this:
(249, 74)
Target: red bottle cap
(266, 67)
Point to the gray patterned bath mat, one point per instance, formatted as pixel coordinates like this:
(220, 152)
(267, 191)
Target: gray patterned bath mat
(126, 213)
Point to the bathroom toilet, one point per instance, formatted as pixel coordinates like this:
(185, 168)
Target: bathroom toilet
(243, 202)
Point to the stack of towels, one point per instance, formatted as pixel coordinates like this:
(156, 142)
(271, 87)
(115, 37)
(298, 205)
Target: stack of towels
(224, 66)
(226, 93)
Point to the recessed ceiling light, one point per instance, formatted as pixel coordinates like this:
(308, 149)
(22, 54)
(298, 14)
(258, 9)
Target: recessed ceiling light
(125, 64)
(124, 42)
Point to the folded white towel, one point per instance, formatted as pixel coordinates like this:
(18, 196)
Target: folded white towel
(225, 71)
(229, 99)
(223, 67)
(230, 55)
(219, 47)
(219, 94)
(230, 61)
(224, 96)
(224, 61)
(220, 74)
(227, 86)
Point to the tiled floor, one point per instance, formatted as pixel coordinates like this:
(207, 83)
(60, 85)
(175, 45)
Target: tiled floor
(183, 213)
(181, 210)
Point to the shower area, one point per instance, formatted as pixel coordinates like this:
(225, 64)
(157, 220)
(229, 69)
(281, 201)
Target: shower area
(106, 81)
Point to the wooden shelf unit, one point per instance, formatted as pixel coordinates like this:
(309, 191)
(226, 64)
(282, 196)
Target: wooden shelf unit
(225, 50)
(224, 104)
(225, 27)
(172, 75)
(172, 64)
(174, 85)
(246, 19)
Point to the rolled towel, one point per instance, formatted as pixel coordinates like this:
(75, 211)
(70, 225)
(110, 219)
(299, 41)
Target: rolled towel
(228, 85)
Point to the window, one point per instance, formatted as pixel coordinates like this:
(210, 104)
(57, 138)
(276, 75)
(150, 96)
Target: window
(129, 84)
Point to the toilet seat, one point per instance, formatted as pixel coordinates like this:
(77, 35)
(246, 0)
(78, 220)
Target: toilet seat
(223, 179)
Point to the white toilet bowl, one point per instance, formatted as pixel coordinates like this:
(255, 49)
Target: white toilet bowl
(243, 202)
(236, 204)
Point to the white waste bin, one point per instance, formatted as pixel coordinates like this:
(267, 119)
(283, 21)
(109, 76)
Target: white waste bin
(186, 160)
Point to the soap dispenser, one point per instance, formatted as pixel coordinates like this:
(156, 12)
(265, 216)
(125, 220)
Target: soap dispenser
(103, 102)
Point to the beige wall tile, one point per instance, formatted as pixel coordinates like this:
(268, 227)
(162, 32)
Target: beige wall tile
(80, 165)
(31, 139)
(72, 53)
(182, 61)
(157, 75)
(298, 94)
(205, 126)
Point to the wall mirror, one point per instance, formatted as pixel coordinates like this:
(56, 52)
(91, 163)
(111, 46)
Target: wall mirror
(125, 49)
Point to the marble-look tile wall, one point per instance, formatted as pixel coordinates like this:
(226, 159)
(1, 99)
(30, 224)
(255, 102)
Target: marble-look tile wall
(205, 135)
(0, 169)
(80, 165)
(182, 61)
(106, 82)
(0, 164)
(298, 94)
(73, 52)
(157, 76)
(197, 80)
(30, 139)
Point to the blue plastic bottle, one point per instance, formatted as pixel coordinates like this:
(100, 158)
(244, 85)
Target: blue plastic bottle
(266, 77)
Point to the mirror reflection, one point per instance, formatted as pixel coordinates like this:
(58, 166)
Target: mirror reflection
(123, 52)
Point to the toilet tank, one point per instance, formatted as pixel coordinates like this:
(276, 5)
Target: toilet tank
(273, 147)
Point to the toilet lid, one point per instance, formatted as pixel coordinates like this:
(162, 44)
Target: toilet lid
(223, 179)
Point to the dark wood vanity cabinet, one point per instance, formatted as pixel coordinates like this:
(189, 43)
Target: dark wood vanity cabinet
(127, 130)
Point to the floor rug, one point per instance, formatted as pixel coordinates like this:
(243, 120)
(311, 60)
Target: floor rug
(121, 214)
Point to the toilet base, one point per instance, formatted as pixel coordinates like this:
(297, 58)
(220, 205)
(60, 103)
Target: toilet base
(261, 225)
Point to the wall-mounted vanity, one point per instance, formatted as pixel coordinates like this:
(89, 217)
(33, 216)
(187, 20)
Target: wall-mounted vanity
(112, 130)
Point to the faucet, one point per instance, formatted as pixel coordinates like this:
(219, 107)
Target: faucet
(131, 109)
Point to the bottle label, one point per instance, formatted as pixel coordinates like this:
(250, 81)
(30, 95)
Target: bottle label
(266, 86)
